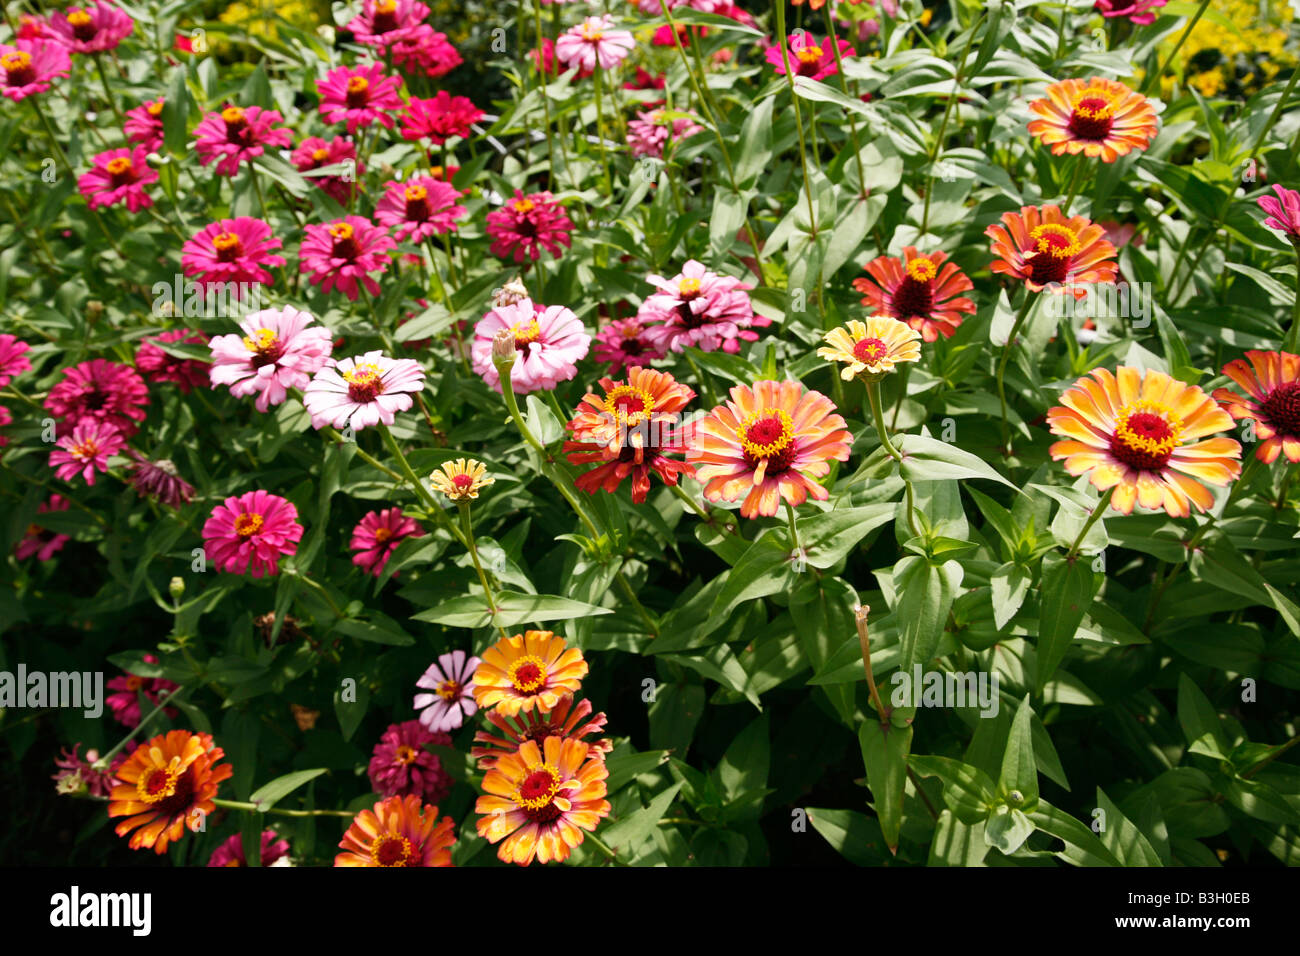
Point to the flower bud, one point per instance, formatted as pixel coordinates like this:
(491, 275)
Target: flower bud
(176, 587)
(503, 349)
(512, 292)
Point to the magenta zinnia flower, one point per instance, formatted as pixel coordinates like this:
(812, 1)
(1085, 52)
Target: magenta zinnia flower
(91, 29)
(594, 42)
(526, 225)
(144, 125)
(361, 391)
(119, 175)
(419, 208)
(384, 22)
(359, 96)
(808, 56)
(159, 480)
(157, 365)
(401, 766)
(31, 66)
(5, 419)
(378, 534)
(276, 353)
(237, 135)
(343, 253)
(623, 343)
(549, 341)
(254, 529)
(700, 308)
(12, 360)
(314, 152)
(86, 450)
(426, 51)
(647, 135)
(1283, 212)
(451, 678)
(97, 782)
(101, 390)
(41, 541)
(1137, 11)
(439, 119)
(231, 852)
(232, 251)
(125, 704)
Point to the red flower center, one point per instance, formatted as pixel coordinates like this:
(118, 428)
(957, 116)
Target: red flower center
(134, 683)
(345, 241)
(449, 690)
(1093, 116)
(236, 123)
(248, 524)
(1281, 409)
(1055, 247)
(417, 203)
(390, 850)
(228, 246)
(18, 68)
(527, 674)
(365, 383)
(768, 435)
(266, 347)
(536, 794)
(358, 92)
(870, 351)
(120, 171)
(1146, 435)
(462, 481)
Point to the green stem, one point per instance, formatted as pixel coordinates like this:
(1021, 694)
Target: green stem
(244, 805)
(878, 418)
(1273, 754)
(1030, 299)
(103, 762)
(472, 546)
(1092, 520)
(1293, 334)
(421, 490)
(1154, 78)
(844, 88)
(600, 132)
(784, 40)
(99, 66)
(794, 532)
(1074, 182)
(943, 124)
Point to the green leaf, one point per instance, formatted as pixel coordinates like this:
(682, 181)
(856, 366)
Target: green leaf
(1200, 721)
(1007, 829)
(884, 751)
(1019, 768)
(380, 630)
(967, 790)
(1124, 839)
(350, 713)
(1082, 847)
(928, 459)
(856, 836)
(1067, 590)
(272, 793)
(925, 596)
(635, 828)
(744, 766)
(512, 608)
(1010, 584)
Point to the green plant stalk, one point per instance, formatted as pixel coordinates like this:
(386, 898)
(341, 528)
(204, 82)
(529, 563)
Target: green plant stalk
(1074, 182)
(690, 502)
(1092, 520)
(794, 532)
(1030, 299)
(783, 39)
(103, 762)
(1276, 114)
(844, 88)
(275, 811)
(943, 123)
(421, 490)
(542, 80)
(99, 67)
(1293, 333)
(58, 151)
(860, 615)
(472, 546)
(1155, 77)
(878, 418)
(600, 132)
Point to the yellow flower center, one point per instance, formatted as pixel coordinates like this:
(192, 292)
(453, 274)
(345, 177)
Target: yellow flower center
(591, 32)
(809, 54)
(320, 155)
(766, 433)
(119, 167)
(1094, 103)
(405, 755)
(227, 245)
(415, 193)
(688, 287)
(341, 230)
(922, 270)
(390, 849)
(526, 333)
(1146, 434)
(87, 449)
(382, 534)
(79, 18)
(265, 341)
(527, 674)
(385, 6)
(365, 381)
(524, 205)
(16, 61)
(358, 84)
(247, 525)
(1057, 241)
(232, 115)
(448, 690)
(155, 108)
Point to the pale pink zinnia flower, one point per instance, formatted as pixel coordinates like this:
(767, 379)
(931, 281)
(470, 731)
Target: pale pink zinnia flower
(98, 26)
(101, 390)
(86, 450)
(12, 360)
(623, 343)
(157, 365)
(254, 529)
(594, 42)
(238, 135)
(549, 341)
(647, 135)
(344, 253)
(526, 225)
(231, 852)
(359, 96)
(361, 391)
(31, 66)
(378, 534)
(400, 765)
(119, 175)
(125, 704)
(232, 251)
(144, 125)
(450, 678)
(314, 153)
(419, 208)
(278, 351)
(700, 308)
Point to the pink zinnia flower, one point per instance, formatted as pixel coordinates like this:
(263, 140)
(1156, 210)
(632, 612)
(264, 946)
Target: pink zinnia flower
(125, 704)
(254, 529)
(86, 450)
(5, 419)
(439, 119)
(101, 390)
(237, 135)
(157, 365)
(97, 782)
(594, 42)
(419, 208)
(91, 29)
(809, 56)
(40, 541)
(384, 22)
(647, 135)
(144, 125)
(31, 27)
(401, 766)
(231, 852)
(378, 534)
(119, 175)
(624, 343)
(343, 253)
(314, 152)
(547, 63)
(549, 341)
(12, 360)
(361, 391)
(1283, 212)
(232, 251)
(276, 353)
(699, 308)
(450, 678)
(526, 225)
(159, 480)
(1137, 11)
(359, 96)
(426, 51)
(31, 66)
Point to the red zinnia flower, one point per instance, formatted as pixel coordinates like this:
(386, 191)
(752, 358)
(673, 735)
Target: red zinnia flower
(1271, 381)
(526, 225)
(167, 784)
(40, 541)
(378, 534)
(31, 66)
(565, 719)
(402, 767)
(101, 390)
(86, 450)
(12, 360)
(426, 51)
(158, 366)
(99, 26)
(159, 480)
(400, 831)
(1043, 248)
(384, 22)
(919, 290)
(809, 56)
(144, 125)
(125, 704)
(232, 251)
(313, 153)
(119, 175)
(419, 208)
(439, 119)
(623, 343)
(231, 853)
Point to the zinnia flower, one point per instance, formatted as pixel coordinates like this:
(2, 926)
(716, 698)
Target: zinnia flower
(533, 669)
(40, 541)
(873, 347)
(1271, 381)
(5, 419)
(31, 66)
(419, 208)
(623, 343)
(594, 42)
(13, 361)
(549, 341)
(86, 450)
(1097, 117)
(159, 366)
(125, 703)
(238, 135)
(314, 153)
(167, 784)
(384, 22)
(920, 290)
(769, 442)
(630, 430)
(647, 135)
(1043, 248)
(1128, 431)
(1283, 212)
(699, 307)
(343, 253)
(231, 252)
(277, 352)
(144, 125)
(1138, 12)
(400, 766)
(101, 390)
(462, 479)
(98, 26)
(231, 852)
(359, 96)
(539, 800)
(548, 64)
(361, 391)
(426, 51)
(565, 719)
(526, 225)
(254, 530)
(76, 773)
(378, 534)
(809, 56)
(159, 480)
(440, 118)
(400, 831)
(451, 678)
(119, 175)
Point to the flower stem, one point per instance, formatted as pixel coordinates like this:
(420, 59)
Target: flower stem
(468, 530)
(421, 490)
(1154, 78)
(873, 396)
(600, 131)
(1030, 299)
(784, 40)
(943, 123)
(1293, 334)
(244, 805)
(860, 614)
(103, 762)
(99, 66)
(794, 533)
(1074, 182)
(1092, 520)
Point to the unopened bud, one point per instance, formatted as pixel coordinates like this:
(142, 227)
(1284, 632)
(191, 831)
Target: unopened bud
(94, 309)
(512, 292)
(177, 588)
(503, 349)
(157, 159)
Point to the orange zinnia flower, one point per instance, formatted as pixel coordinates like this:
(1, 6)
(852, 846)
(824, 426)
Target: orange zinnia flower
(1272, 380)
(166, 784)
(562, 721)
(541, 799)
(769, 442)
(527, 671)
(1043, 247)
(400, 831)
(919, 290)
(1127, 431)
(1097, 117)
